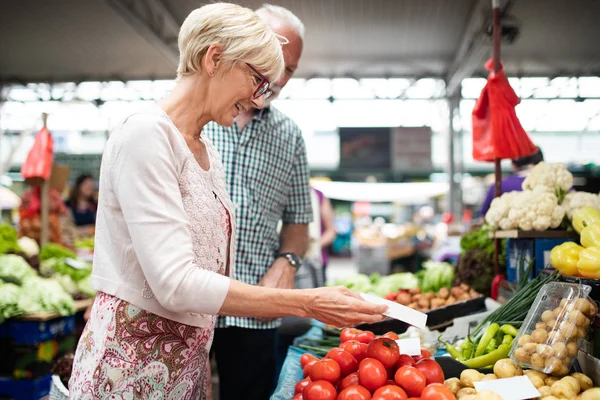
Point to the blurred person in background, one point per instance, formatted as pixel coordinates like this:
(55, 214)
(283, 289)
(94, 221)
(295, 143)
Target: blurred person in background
(323, 212)
(165, 228)
(513, 183)
(82, 204)
(267, 173)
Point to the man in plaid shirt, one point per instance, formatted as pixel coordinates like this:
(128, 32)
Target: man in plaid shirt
(266, 168)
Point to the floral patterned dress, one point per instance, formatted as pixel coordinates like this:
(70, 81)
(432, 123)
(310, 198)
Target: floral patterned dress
(128, 353)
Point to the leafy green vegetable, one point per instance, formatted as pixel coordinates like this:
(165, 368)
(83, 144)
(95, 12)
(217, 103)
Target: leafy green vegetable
(67, 283)
(60, 266)
(436, 275)
(41, 294)
(356, 283)
(87, 243)
(480, 239)
(8, 239)
(14, 269)
(392, 283)
(9, 300)
(53, 250)
(85, 287)
(476, 268)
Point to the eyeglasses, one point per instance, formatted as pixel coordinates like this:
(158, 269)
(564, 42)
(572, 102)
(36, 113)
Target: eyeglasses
(263, 86)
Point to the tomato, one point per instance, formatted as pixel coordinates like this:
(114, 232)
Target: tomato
(390, 382)
(325, 370)
(347, 363)
(298, 397)
(319, 390)
(431, 370)
(437, 391)
(354, 392)
(349, 334)
(405, 359)
(307, 367)
(391, 296)
(305, 358)
(411, 380)
(301, 385)
(390, 335)
(372, 374)
(356, 348)
(385, 350)
(424, 354)
(350, 380)
(390, 392)
(366, 337)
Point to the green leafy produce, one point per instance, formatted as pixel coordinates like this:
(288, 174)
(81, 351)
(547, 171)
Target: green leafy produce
(476, 268)
(85, 286)
(45, 295)
(356, 283)
(53, 250)
(60, 266)
(67, 283)
(9, 301)
(392, 283)
(14, 269)
(8, 239)
(87, 243)
(436, 275)
(480, 239)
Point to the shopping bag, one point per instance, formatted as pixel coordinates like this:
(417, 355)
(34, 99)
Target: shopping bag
(38, 164)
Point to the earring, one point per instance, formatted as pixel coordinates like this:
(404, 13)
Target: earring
(212, 73)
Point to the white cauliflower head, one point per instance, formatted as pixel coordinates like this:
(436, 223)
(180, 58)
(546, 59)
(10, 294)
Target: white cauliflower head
(575, 200)
(497, 215)
(552, 177)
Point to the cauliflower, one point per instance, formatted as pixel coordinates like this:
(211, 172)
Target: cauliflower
(575, 200)
(497, 215)
(552, 177)
(527, 210)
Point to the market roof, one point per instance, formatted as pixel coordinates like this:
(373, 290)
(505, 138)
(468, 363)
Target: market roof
(74, 40)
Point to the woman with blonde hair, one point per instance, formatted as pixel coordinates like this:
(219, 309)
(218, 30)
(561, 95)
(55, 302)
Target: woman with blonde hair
(165, 228)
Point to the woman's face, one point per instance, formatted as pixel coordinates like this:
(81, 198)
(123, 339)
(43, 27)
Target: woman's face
(87, 188)
(234, 92)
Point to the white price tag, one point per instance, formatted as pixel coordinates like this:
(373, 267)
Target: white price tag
(398, 311)
(517, 388)
(77, 264)
(411, 347)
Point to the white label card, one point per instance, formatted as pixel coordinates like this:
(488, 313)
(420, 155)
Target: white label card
(398, 311)
(411, 347)
(517, 388)
(77, 264)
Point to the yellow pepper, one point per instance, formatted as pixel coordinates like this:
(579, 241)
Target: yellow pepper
(590, 235)
(585, 216)
(564, 258)
(589, 263)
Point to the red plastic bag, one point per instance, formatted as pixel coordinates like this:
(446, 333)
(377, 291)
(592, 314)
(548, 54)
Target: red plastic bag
(497, 132)
(38, 164)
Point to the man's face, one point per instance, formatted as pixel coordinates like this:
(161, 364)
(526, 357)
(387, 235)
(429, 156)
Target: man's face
(292, 51)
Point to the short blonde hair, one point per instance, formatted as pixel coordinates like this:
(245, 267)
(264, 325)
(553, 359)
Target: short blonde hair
(284, 15)
(239, 31)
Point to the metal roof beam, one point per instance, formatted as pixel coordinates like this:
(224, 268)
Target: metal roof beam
(152, 20)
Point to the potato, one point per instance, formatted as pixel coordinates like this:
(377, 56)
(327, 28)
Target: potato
(413, 305)
(551, 325)
(404, 298)
(584, 381)
(538, 361)
(572, 349)
(423, 303)
(591, 394)
(540, 325)
(487, 395)
(547, 315)
(550, 398)
(489, 377)
(456, 292)
(473, 293)
(417, 297)
(506, 368)
(465, 287)
(539, 336)
(553, 365)
(437, 303)
(560, 349)
(523, 340)
(429, 295)
(468, 376)
(567, 387)
(522, 355)
(465, 296)
(562, 370)
(530, 347)
(465, 392)
(535, 380)
(451, 300)
(444, 293)
(555, 337)
(545, 391)
(453, 384)
(544, 350)
(469, 397)
(578, 317)
(415, 291)
(549, 381)
(581, 333)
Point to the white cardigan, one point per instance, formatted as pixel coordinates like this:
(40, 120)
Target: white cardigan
(158, 230)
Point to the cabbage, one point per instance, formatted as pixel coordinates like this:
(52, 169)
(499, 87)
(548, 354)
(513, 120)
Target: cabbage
(436, 275)
(9, 300)
(85, 287)
(357, 283)
(45, 295)
(15, 269)
(29, 246)
(393, 283)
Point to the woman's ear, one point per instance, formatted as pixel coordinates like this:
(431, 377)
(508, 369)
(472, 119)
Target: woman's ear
(213, 59)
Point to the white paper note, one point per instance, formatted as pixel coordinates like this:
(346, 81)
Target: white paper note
(411, 347)
(517, 388)
(398, 311)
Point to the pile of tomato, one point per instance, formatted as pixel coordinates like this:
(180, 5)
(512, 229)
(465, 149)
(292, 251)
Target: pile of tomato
(366, 367)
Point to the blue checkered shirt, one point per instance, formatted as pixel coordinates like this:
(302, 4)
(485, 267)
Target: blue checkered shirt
(267, 177)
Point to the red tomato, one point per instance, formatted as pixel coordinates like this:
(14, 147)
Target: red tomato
(307, 367)
(405, 359)
(424, 354)
(305, 358)
(391, 335)
(432, 371)
(301, 385)
(390, 392)
(350, 380)
(390, 382)
(391, 296)
(347, 363)
(320, 390)
(356, 348)
(411, 380)
(349, 334)
(366, 337)
(372, 374)
(437, 391)
(385, 350)
(354, 392)
(298, 397)
(325, 370)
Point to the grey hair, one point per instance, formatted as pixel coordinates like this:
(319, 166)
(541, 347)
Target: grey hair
(285, 15)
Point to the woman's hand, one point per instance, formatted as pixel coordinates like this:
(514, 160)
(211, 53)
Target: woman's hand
(341, 307)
